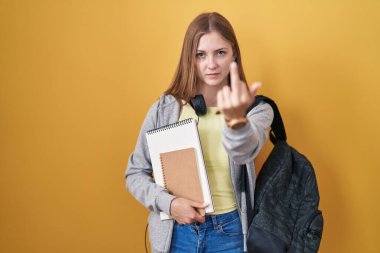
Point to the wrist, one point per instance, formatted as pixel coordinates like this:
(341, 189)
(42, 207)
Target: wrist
(237, 123)
(171, 205)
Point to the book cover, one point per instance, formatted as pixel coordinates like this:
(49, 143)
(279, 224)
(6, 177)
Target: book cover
(181, 176)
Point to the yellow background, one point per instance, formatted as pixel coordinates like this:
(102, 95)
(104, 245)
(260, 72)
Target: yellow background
(77, 78)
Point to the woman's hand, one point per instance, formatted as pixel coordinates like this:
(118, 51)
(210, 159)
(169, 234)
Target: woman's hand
(233, 102)
(184, 211)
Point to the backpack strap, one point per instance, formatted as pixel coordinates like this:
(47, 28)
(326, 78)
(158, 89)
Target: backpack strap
(277, 131)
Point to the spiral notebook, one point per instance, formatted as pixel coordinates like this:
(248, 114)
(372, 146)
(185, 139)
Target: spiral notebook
(180, 173)
(171, 145)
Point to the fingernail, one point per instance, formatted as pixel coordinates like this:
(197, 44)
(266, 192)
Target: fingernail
(257, 83)
(233, 64)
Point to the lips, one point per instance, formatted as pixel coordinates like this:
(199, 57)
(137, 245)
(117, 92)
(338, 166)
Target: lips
(212, 75)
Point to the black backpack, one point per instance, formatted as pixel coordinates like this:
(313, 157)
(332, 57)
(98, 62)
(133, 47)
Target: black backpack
(285, 216)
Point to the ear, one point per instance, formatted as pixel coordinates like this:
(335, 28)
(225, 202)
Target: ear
(234, 55)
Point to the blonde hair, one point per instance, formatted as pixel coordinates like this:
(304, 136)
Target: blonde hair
(185, 80)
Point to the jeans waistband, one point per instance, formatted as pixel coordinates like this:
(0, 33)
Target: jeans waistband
(215, 220)
(222, 217)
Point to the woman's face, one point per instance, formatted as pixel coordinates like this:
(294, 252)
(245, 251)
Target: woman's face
(213, 58)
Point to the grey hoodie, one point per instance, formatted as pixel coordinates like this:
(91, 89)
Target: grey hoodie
(242, 147)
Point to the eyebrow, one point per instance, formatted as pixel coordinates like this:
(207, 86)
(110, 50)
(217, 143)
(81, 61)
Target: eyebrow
(198, 50)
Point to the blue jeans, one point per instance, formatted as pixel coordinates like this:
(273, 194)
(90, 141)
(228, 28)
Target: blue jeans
(219, 233)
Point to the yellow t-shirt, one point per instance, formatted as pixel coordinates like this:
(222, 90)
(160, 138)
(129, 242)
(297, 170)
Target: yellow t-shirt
(216, 159)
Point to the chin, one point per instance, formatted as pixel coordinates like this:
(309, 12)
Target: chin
(213, 82)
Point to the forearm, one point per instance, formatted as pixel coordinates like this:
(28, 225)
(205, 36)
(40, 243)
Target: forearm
(154, 197)
(243, 144)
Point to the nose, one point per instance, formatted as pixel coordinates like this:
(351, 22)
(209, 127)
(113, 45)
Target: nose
(212, 64)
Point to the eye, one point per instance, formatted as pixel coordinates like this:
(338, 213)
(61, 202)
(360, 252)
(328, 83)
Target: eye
(199, 54)
(221, 52)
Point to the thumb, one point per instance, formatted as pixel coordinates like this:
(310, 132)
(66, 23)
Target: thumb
(254, 87)
(198, 205)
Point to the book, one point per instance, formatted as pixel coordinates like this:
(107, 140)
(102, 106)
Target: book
(176, 137)
(180, 173)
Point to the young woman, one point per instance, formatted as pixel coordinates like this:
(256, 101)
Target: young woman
(210, 65)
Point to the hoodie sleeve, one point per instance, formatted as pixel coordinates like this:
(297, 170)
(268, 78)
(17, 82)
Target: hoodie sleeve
(243, 145)
(139, 180)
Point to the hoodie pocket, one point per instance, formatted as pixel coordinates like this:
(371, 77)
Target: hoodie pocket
(160, 232)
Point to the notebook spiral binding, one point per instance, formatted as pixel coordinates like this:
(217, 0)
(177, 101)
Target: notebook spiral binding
(173, 125)
(163, 172)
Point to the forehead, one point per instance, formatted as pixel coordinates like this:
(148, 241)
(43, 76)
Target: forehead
(212, 41)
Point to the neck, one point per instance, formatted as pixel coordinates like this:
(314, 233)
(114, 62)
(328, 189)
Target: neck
(209, 93)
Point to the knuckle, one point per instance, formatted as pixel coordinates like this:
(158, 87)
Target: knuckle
(245, 100)
(235, 104)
